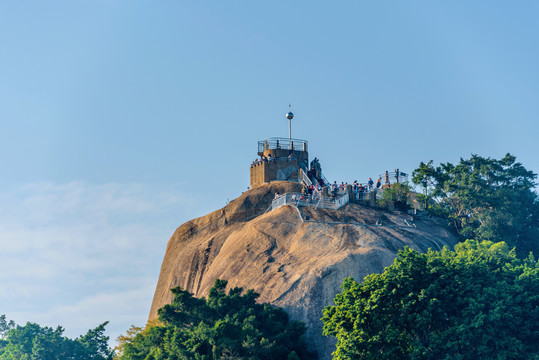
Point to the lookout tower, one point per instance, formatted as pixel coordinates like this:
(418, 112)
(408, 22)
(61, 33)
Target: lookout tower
(281, 159)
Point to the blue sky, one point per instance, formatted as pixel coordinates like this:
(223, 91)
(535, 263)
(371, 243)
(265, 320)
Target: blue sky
(120, 120)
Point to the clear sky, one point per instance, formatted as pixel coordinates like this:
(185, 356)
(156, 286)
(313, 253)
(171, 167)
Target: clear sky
(120, 120)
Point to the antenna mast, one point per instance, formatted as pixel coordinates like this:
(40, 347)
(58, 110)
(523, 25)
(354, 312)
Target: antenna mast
(289, 116)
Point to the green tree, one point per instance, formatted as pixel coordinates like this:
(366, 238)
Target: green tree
(223, 326)
(5, 327)
(485, 199)
(397, 194)
(122, 340)
(477, 302)
(33, 342)
(424, 176)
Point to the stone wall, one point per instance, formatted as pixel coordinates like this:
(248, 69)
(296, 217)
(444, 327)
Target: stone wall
(280, 169)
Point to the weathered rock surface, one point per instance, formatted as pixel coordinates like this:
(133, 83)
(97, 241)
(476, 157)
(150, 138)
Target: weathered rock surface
(295, 259)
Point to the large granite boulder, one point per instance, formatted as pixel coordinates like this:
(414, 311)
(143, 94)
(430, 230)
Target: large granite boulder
(295, 258)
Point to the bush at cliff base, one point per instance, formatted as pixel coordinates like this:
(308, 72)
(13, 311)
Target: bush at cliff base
(223, 326)
(477, 302)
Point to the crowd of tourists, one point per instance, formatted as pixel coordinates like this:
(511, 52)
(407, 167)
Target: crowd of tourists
(361, 190)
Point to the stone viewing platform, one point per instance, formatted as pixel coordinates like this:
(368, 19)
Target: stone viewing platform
(283, 159)
(280, 159)
(287, 159)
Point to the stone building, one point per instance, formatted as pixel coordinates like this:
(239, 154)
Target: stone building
(281, 159)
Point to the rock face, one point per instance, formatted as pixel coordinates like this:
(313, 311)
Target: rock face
(295, 258)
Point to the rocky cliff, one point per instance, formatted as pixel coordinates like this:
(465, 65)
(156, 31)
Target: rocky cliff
(295, 258)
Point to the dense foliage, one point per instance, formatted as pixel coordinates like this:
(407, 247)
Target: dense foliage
(225, 326)
(477, 302)
(33, 342)
(397, 194)
(485, 199)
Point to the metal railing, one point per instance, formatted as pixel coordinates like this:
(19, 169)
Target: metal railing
(323, 178)
(364, 195)
(394, 177)
(303, 177)
(316, 201)
(282, 143)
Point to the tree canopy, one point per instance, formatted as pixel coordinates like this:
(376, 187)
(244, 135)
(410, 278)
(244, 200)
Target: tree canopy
(223, 326)
(477, 302)
(485, 199)
(397, 194)
(34, 342)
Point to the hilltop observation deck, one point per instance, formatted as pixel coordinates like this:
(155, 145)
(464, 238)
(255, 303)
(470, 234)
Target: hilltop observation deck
(283, 148)
(280, 159)
(285, 159)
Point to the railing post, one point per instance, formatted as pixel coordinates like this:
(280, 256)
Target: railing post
(372, 198)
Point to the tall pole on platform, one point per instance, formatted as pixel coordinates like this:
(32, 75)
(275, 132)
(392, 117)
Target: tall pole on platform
(289, 116)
